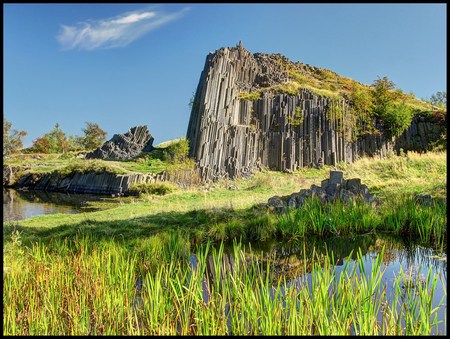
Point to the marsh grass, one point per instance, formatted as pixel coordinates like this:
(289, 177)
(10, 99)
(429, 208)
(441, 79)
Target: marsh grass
(94, 286)
(399, 214)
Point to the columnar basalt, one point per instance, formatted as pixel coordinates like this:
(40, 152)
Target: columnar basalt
(231, 137)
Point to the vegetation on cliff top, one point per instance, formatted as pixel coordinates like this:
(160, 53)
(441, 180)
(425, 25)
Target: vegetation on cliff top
(382, 99)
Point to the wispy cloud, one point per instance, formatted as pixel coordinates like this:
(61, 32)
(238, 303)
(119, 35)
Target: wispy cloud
(118, 31)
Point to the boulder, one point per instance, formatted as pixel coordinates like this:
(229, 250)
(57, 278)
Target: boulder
(354, 186)
(347, 196)
(319, 192)
(424, 199)
(333, 192)
(336, 177)
(278, 204)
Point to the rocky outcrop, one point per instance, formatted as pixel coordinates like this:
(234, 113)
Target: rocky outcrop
(88, 183)
(125, 146)
(334, 188)
(103, 183)
(10, 174)
(231, 137)
(423, 131)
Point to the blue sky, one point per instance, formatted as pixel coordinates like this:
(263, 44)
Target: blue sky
(123, 65)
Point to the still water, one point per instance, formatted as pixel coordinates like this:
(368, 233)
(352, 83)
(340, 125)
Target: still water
(20, 205)
(289, 259)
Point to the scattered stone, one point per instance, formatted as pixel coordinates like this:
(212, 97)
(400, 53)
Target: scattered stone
(336, 177)
(424, 199)
(354, 186)
(278, 204)
(335, 188)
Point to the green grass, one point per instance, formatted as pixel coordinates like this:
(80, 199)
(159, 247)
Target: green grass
(87, 286)
(223, 214)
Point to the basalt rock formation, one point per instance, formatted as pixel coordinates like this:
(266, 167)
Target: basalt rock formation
(125, 146)
(86, 183)
(231, 137)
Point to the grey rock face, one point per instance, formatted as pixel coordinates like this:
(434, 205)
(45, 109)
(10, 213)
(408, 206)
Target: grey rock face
(125, 146)
(231, 137)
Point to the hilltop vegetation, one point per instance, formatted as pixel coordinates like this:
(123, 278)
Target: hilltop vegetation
(381, 99)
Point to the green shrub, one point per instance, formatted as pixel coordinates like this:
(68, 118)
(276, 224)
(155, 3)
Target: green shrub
(177, 152)
(249, 96)
(157, 188)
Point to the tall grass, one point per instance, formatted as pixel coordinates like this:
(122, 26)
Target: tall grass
(399, 213)
(94, 286)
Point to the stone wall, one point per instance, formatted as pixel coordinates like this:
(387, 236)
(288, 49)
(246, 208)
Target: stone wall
(230, 137)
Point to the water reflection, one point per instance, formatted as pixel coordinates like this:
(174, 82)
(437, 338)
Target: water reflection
(294, 261)
(20, 205)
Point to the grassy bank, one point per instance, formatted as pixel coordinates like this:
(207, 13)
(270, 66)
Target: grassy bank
(223, 214)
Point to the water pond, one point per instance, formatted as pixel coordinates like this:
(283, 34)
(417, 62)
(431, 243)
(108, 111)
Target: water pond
(292, 262)
(21, 204)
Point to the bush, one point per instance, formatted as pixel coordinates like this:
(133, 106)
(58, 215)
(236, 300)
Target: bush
(177, 152)
(157, 188)
(396, 118)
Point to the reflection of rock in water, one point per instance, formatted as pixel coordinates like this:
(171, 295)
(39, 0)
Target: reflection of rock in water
(8, 203)
(21, 204)
(291, 259)
(56, 198)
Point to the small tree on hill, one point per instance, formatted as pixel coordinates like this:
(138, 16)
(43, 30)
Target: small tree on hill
(12, 139)
(395, 117)
(94, 136)
(439, 99)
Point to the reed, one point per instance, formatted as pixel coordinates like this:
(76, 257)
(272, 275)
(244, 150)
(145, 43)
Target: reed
(91, 285)
(398, 213)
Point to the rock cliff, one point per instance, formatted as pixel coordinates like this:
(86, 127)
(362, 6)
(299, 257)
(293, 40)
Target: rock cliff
(231, 137)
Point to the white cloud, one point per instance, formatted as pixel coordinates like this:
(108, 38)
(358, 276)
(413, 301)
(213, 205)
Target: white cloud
(113, 32)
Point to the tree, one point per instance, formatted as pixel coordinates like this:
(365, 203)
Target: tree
(383, 93)
(42, 145)
(395, 117)
(362, 109)
(94, 136)
(53, 142)
(75, 143)
(12, 139)
(439, 99)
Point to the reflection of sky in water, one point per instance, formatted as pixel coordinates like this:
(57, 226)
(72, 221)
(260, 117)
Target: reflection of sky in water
(20, 205)
(410, 260)
(27, 210)
(417, 266)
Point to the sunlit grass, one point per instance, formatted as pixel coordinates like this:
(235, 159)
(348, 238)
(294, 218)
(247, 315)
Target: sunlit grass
(94, 286)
